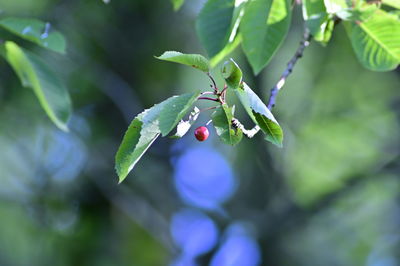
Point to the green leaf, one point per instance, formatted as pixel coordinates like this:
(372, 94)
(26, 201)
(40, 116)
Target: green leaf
(260, 114)
(137, 139)
(317, 20)
(393, 3)
(326, 34)
(376, 41)
(313, 8)
(214, 25)
(35, 74)
(193, 60)
(36, 31)
(235, 38)
(253, 105)
(229, 48)
(175, 110)
(314, 14)
(334, 6)
(360, 13)
(232, 74)
(272, 130)
(264, 26)
(183, 126)
(177, 4)
(222, 121)
(145, 128)
(351, 11)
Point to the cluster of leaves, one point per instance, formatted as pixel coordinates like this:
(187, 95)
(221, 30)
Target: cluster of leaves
(32, 71)
(260, 26)
(162, 118)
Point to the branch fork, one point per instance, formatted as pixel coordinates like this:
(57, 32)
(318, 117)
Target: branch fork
(305, 42)
(221, 95)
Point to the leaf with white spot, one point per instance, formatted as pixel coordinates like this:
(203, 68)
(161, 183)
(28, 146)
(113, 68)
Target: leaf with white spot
(184, 125)
(147, 126)
(260, 114)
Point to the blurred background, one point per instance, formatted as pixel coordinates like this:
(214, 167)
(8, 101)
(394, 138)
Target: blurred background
(331, 196)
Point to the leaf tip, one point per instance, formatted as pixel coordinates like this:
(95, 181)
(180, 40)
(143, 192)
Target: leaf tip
(121, 175)
(64, 127)
(257, 70)
(161, 57)
(276, 141)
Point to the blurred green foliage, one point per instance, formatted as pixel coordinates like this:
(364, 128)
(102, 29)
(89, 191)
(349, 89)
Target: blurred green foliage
(329, 197)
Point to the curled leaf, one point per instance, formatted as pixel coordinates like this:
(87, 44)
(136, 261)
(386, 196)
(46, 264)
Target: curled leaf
(193, 60)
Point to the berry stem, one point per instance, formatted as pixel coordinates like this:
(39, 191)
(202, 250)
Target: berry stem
(208, 98)
(223, 93)
(214, 84)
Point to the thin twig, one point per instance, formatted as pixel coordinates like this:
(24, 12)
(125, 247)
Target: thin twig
(213, 83)
(223, 93)
(225, 87)
(208, 98)
(305, 42)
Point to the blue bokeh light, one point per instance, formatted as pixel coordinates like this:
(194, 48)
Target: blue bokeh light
(184, 260)
(65, 156)
(204, 178)
(194, 232)
(44, 154)
(238, 249)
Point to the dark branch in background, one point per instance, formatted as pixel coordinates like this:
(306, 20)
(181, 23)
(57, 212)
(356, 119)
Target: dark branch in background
(299, 53)
(305, 42)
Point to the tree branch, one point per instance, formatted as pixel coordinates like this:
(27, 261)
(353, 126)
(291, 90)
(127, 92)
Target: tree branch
(208, 98)
(305, 42)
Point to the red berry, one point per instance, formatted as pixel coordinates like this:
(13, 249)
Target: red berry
(201, 133)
